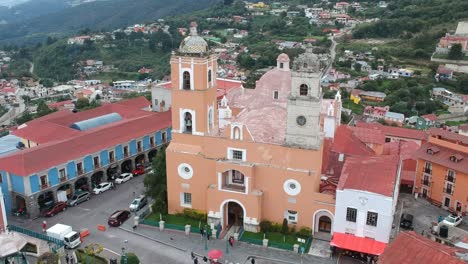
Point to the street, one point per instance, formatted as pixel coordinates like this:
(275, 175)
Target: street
(96, 211)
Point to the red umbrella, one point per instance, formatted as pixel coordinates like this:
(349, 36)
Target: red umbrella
(215, 254)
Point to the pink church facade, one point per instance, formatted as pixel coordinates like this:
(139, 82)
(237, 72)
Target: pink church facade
(256, 154)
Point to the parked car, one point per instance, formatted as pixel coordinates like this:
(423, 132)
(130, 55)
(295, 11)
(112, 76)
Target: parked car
(124, 177)
(138, 203)
(118, 217)
(453, 220)
(140, 170)
(78, 198)
(102, 187)
(406, 221)
(57, 208)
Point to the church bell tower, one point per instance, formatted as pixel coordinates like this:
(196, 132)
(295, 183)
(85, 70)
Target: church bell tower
(193, 77)
(304, 102)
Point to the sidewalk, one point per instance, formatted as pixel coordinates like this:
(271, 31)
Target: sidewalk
(239, 253)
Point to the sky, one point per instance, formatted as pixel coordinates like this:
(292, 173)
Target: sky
(11, 2)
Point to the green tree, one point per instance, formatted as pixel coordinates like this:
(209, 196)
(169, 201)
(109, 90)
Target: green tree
(284, 227)
(43, 109)
(81, 103)
(156, 182)
(47, 82)
(24, 117)
(131, 259)
(455, 52)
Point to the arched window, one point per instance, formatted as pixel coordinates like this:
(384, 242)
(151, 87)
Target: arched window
(281, 65)
(210, 117)
(237, 133)
(209, 76)
(186, 81)
(303, 90)
(188, 123)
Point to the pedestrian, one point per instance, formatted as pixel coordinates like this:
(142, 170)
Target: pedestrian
(67, 259)
(44, 226)
(72, 259)
(202, 232)
(195, 261)
(231, 241)
(208, 234)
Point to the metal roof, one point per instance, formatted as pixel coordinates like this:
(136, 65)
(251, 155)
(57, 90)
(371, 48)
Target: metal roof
(96, 122)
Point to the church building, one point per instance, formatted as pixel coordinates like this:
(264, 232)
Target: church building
(255, 154)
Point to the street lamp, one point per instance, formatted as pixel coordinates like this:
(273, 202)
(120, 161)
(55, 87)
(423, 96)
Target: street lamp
(124, 252)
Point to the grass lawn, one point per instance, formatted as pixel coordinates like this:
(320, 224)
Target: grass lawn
(175, 219)
(272, 237)
(455, 123)
(355, 108)
(91, 259)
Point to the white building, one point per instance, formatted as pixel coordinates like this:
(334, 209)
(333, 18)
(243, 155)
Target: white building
(124, 84)
(366, 199)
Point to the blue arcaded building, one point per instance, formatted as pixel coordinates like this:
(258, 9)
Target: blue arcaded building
(65, 151)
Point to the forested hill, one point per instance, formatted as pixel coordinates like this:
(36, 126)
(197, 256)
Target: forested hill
(103, 15)
(420, 23)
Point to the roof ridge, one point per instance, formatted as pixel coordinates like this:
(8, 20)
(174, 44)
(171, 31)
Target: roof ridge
(425, 242)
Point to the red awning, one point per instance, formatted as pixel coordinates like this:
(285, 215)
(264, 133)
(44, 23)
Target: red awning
(358, 244)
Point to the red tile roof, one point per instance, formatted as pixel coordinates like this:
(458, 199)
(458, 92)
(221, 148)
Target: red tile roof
(430, 117)
(410, 248)
(347, 143)
(442, 157)
(373, 174)
(60, 144)
(463, 127)
(358, 244)
(445, 134)
(367, 135)
(395, 131)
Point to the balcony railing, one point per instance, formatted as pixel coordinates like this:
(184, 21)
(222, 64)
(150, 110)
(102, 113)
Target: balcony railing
(63, 178)
(448, 191)
(428, 170)
(233, 187)
(44, 186)
(450, 178)
(426, 182)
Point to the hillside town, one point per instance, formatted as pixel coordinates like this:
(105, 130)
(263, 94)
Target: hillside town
(332, 152)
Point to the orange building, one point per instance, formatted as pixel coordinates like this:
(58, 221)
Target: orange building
(257, 155)
(442, 170)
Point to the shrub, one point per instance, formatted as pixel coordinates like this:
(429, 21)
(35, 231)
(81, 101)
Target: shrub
(304, 232)
(275, 227)
(131, 259)
(195, 214)
(265, 226)
(293, 229)
(48, 258)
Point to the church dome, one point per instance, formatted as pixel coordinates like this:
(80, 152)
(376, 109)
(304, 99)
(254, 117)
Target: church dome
(307, 61)
(193, 43)
(283, 57)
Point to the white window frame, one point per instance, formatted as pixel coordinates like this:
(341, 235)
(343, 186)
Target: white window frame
(183, 201)
(289, 215)
(230, 154)
(233, 129)
(355, 217)
(376, 219)
(181, 78)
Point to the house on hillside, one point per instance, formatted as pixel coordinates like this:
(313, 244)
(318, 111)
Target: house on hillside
(373, 96)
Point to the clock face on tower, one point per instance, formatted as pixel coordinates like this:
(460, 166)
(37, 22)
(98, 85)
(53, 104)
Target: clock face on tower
(301, 120)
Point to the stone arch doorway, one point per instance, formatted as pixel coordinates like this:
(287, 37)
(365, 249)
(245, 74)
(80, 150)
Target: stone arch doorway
(140, 160)
(46, 200)
(324, 224)
(233, 213)
(82, 184)
(152, 154)
(97, 178)
(67, 188)
(20, 202)
(112, 172)
(127, 166)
